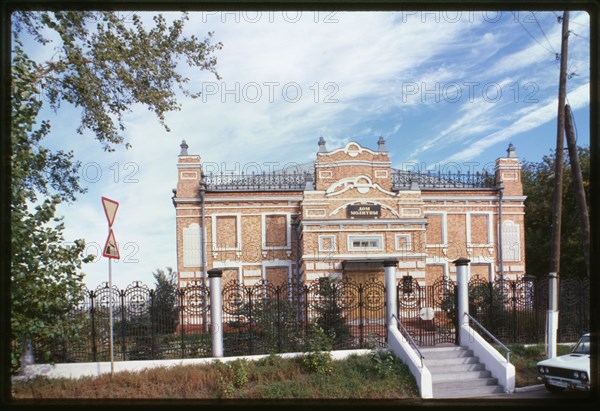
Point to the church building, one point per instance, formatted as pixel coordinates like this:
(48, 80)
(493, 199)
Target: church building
(343, 215)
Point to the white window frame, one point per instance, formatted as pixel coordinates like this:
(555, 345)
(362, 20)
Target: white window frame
(509, 254)
(333, 243)
(238, 237)
(444, 215)
(288, 232)
(377, 237)
(192, 241)
(408, 237)
(490, 234)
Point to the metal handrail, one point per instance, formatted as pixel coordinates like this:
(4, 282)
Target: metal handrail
(489, 334)
(410, 339)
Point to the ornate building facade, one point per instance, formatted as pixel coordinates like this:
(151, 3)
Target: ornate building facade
(343, 215)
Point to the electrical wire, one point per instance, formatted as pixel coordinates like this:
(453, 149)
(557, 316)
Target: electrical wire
(530, 35)
(579, 35)
(542, 30)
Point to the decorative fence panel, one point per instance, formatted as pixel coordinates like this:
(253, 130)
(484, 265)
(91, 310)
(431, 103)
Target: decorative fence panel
(428, 312)
(268, 318)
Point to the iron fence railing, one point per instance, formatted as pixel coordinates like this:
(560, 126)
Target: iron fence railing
(402, 180)
(271, 318)
(275, 181)
(411, 341)
(490, 336)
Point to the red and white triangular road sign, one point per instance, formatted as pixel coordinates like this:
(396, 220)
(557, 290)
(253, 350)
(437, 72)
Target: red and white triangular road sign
(110, 209)
(110, 248)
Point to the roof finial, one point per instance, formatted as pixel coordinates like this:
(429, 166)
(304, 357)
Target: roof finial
(322, 148)
(381, 144)
(511, 150)
(184, 148)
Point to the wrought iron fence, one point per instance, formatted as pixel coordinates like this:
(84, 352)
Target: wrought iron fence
(275, 181)
(272, 318)
(405, 179)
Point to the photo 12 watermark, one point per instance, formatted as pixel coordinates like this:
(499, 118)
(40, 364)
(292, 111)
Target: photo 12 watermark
(454, 92)
(268, 91)
(270, 16)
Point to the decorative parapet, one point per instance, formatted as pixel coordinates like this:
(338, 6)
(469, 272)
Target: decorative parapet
(275, 181)
(405, 180)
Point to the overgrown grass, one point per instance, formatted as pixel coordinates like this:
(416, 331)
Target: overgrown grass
(525, 360)
(379, 374)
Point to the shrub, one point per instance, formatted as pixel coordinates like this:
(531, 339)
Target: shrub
(318, 360)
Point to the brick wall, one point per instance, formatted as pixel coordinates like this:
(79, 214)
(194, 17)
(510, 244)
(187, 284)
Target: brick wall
(255, 226)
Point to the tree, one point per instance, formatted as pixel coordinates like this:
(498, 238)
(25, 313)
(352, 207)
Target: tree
(166, 307)
(102, 65)
(538, 182)
(330, 314)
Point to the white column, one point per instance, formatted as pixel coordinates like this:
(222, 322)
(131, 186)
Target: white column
(552, 317)
(462, 285)
(216, 311)
(391, 293)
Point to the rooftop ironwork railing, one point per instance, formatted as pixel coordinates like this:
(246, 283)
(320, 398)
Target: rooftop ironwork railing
(405, 179)
(275, 181)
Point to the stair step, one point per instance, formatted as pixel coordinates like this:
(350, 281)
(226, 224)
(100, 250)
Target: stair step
(445, 348)
(474, 365)
(460, 376)
(469, 392)
(444, 354)
(459, 384)
(457, 373)
(439, 362)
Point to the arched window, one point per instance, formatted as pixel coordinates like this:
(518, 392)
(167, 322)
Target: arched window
(511, 241)
(191, 246)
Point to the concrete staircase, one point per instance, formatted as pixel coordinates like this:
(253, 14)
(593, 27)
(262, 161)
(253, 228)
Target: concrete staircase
(456, 373)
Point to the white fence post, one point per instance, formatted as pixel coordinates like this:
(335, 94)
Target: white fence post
(462, 285)
(216, 311)
(391, 293)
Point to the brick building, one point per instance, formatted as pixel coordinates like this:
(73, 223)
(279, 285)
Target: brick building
(343, 215)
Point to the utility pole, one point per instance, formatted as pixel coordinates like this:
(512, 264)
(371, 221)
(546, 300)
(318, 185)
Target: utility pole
(553, 277)
(584, 218)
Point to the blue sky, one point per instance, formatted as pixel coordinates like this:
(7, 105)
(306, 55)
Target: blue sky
(450, 88)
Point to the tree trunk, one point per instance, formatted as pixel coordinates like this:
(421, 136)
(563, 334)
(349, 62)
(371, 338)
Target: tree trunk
(584, 218)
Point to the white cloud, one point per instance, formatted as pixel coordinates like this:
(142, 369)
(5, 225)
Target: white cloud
(548, 112)
(369, 58)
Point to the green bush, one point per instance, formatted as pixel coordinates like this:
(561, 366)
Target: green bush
(318, 360)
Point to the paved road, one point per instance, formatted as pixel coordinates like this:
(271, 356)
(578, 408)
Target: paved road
(539, 392)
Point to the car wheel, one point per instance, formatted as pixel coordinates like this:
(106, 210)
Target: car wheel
(553, 388)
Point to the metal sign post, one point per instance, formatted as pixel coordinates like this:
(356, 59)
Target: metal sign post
(110, 251)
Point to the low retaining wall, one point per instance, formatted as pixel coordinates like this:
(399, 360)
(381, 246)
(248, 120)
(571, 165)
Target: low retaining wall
(407, 354)
(95, 369)
(500, 368)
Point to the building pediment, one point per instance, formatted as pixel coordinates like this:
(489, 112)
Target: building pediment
(336, 211)
(362, 184)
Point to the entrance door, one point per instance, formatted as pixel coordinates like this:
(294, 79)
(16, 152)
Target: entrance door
(361, 277)
(428, 312)
(370, 281)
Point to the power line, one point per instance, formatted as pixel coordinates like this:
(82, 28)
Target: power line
(530, 35)
(579, 35)
(542, 30)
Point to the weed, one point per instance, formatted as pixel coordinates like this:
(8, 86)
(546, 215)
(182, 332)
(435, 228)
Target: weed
(240, 374)
(271, 377)
(318, 360)
(384, 362)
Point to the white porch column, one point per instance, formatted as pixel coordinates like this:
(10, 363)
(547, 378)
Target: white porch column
(462, 285)
(216, 311)
(391, 293)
